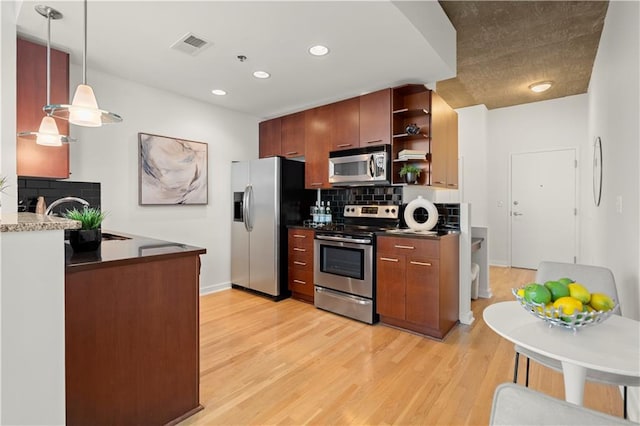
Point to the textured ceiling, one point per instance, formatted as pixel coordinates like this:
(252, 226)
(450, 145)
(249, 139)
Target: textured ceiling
(504, 46)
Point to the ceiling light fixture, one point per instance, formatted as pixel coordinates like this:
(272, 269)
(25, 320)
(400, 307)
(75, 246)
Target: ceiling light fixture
(319, 50)
(261, 74)
(83, 110)
(540, 86)
(47, 133)
(218, 92)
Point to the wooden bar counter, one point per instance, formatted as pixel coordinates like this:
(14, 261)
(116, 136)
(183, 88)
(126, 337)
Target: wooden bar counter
(132, 332)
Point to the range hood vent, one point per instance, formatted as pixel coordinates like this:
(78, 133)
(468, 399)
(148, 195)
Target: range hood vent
(191, 44)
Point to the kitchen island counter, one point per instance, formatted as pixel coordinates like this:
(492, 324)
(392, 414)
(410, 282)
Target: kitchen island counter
(118, 248)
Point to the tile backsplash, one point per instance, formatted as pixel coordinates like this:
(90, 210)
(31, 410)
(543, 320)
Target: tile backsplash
(448, 213)
(29, 189)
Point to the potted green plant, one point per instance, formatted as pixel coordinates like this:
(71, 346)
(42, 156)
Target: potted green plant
(89, 237)
(410, 173)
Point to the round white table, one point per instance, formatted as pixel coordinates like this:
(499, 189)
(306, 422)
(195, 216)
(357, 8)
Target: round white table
(612, 346)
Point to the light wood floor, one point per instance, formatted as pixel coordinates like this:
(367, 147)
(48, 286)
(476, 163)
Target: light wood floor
(264, 362)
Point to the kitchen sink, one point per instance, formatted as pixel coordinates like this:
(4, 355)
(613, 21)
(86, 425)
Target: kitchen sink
(107, 236)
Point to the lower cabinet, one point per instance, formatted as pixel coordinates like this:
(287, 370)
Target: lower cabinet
(418, 283)
(301, 264)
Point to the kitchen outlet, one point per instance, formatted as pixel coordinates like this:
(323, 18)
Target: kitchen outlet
(619, 204)
(500, 203)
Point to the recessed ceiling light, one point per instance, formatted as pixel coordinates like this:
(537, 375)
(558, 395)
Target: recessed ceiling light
(319, 50)
(261, 74)
(218, 92)
(540, 86)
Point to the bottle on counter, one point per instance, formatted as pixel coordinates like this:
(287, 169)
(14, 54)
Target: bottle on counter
(41, 205)
(323, 215)
(328, 214)
(316, 213)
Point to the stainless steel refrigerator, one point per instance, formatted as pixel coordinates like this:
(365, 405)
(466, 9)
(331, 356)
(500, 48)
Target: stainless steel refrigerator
(268, 194)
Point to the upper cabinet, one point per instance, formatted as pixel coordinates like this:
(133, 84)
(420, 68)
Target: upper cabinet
(31, 95)
(346, 124)
(444, 144)
(318, 143)
(375, 118)
(270, 138)
(293, 135)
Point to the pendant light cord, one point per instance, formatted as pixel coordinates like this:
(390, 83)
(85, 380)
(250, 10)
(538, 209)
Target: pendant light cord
(84, 50)
(48, 56)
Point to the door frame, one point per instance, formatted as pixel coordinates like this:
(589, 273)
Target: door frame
(576, 169)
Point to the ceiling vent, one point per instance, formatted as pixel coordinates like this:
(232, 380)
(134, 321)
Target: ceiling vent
(191, 44)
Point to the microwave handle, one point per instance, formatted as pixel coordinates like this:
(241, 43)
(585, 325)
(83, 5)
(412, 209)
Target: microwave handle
(372, 164)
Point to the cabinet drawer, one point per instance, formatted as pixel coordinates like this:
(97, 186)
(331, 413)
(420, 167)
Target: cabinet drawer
(301, 260)
(409, 246)
(301, 281)
(301, 239)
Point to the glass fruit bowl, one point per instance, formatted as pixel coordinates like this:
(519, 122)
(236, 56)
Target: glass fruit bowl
(554, 316)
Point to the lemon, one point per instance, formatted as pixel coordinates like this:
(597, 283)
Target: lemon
(579, 292)
(601, 302)
(520, 292)
(537, 293)
(568, 305)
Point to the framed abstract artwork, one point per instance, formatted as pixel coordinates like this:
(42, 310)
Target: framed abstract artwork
(171, 171)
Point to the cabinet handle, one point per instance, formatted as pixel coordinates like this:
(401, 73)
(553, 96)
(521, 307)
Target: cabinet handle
(438, 182)
(300, 263)
(377, 140)
(315, 184)
(405, 247)
(388, 259)
(299, 282)
(452, 184)
(413, 262)
(299, 249)
(344, 145)
(299, 236)
(291, 152)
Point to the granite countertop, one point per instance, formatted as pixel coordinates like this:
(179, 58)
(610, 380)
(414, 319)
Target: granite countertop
(25, 222)
(118, 248)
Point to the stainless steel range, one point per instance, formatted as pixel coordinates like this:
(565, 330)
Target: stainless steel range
(344, 261)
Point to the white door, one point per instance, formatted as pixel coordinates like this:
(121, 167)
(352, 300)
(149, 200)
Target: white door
(543, 203)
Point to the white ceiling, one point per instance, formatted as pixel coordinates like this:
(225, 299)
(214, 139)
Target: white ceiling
(374, 44)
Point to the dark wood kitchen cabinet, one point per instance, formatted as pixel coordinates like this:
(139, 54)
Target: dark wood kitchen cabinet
(269, 139)
(318, 143)
(346, 124)
(375, 118)
(418, 283)
(31, 95)
(300, 261)
(293, 135)
(132, 336)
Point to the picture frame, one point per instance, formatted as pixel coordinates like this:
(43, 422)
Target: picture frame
(172, 171)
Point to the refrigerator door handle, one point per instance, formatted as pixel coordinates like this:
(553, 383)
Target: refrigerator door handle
(248, 208)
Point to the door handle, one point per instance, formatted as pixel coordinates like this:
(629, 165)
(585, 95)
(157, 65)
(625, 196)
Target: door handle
(518, 214)
(248, 208)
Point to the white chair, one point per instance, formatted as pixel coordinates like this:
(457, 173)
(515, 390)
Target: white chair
(517, 405)
(597, 280)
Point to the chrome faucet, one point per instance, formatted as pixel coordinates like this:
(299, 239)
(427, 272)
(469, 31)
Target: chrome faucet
(66, 200)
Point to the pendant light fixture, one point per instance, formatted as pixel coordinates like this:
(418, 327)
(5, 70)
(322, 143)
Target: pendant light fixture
(48, 133)
(83, 110)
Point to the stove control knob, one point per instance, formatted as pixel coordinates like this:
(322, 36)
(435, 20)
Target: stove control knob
(386, 211)
(393, 210)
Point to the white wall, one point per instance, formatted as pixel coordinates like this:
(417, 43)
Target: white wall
(110, 155)
(472, 151)
(553, 124)
(611, 237)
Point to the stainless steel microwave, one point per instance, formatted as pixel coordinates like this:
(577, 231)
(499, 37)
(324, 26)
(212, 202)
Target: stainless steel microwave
(360, 166)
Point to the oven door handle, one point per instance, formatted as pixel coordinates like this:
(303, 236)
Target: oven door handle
(344, 240)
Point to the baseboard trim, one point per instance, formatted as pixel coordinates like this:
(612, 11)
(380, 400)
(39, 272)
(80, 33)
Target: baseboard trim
(214, 288)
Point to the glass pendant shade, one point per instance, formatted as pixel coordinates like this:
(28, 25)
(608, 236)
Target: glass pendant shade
(84, 108)
(48, 133)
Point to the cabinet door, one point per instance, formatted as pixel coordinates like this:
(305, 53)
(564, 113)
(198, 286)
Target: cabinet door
(31, 95)
(422, 300)
(269, 138)
(293, 135)
(440, 118)
(375, 118)
(318, 141)
(390, 280)
(452, 152)
(346, 125)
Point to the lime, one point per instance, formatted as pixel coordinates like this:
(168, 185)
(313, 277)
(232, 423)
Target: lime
(601, 302)
(565, 280)
(537, 293)
(579, 292)
(557, 289)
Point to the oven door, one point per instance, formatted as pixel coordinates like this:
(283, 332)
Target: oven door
(345, 266)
